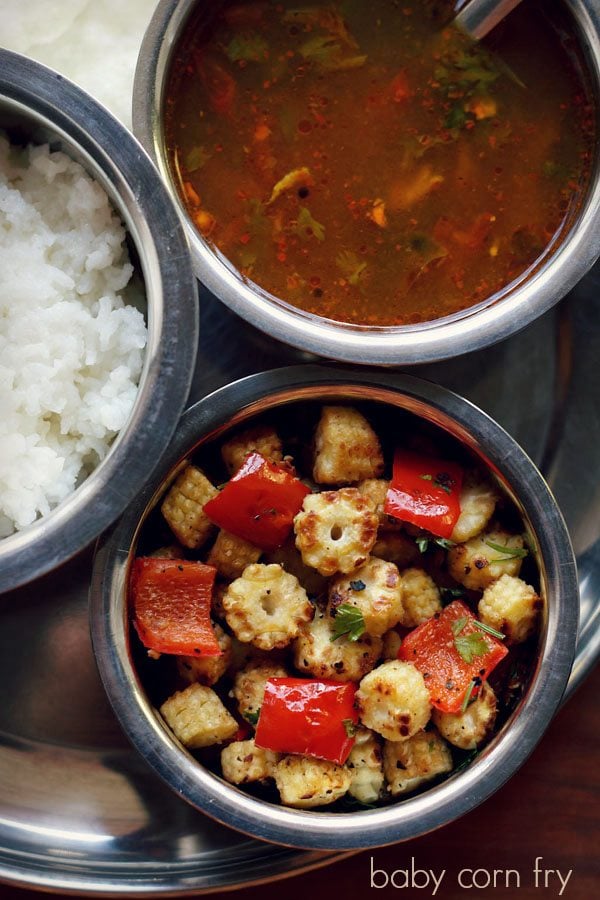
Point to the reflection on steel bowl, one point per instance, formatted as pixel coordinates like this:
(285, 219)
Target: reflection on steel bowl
(39, 107)
(439, 561)
(414, 255)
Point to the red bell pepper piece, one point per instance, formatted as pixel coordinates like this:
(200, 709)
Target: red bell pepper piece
(306, 716)
(425, 491)
(171, 605)
(259, 503)
(453, 654)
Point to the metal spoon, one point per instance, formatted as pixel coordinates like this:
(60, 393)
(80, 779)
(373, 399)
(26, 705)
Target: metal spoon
(478, 17)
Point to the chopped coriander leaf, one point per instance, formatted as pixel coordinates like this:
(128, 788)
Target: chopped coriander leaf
(196, 159)
(471, 645)
(456, 118)
(348, 622)
(247, 258)
(349, 727)
(252, 716)
(247, 48)
(422, 543)
(488, 628)
(350, 265)
(357, 585)
(306, 225)
(458, 625)
(509, 552)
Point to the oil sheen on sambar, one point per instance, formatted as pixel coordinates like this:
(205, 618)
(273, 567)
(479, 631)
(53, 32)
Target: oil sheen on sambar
(365, 163)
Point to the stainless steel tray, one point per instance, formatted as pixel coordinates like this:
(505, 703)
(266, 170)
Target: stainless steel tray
(79, 811)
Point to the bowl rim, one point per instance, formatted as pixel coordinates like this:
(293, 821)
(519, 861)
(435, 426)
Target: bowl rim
(48, 103)
(409, 818)
(470, 330)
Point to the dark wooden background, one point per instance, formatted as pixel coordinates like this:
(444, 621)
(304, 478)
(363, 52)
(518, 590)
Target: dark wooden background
(550, 809)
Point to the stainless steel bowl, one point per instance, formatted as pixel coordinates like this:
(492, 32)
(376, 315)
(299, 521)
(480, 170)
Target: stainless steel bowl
(471, 329)
(213, 417)
(38, 105)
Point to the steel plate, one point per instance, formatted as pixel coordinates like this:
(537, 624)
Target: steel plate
(79, 811)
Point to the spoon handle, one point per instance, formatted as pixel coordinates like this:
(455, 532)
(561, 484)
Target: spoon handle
(478, 17)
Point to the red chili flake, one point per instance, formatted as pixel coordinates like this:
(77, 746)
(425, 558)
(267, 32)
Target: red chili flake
(304, 126)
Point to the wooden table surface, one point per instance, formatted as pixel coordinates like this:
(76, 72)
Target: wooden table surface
(550, 809)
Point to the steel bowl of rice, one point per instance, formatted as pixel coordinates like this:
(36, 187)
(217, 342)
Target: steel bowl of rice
(98, 319)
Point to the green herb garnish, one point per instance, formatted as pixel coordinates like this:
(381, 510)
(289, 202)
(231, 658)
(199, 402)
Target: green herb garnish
(306, 223)
(471, 645)
(466, 762)
(252, 716)
(456, 118)
(468, 694)
(331, 51)
(349, 727)
(350, 265)
(441, 480)
(509, 552)
(423, 543)
(247, 48)
(449, 594)
(444, 543)
(488, 628)
(348, 622)
(196, 159)
(458, 625)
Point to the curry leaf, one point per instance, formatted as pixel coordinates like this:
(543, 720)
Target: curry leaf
(351, 266)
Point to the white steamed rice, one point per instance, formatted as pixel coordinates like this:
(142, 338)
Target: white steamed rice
(71, 350)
